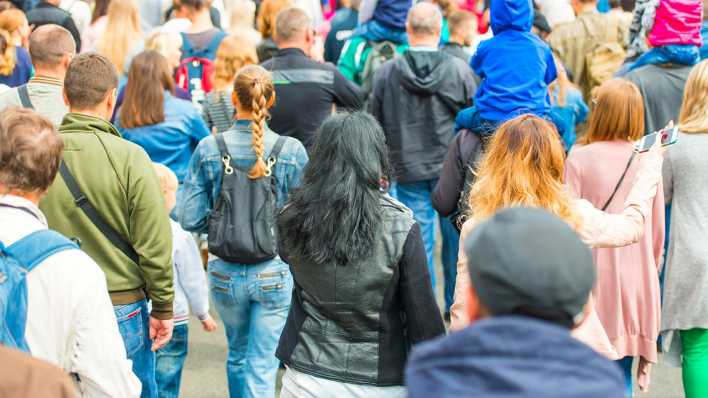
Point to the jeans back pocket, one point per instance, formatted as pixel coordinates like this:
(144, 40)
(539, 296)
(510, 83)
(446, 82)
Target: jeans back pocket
(274, 288)
(130, 326)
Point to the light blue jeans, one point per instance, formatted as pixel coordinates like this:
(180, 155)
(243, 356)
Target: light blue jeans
(170, 362)
(253, 302)
(134, 327)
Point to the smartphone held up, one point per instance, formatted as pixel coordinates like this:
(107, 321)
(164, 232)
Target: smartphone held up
(668, 136)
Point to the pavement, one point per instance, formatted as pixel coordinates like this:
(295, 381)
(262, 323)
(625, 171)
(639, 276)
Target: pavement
(204, 374)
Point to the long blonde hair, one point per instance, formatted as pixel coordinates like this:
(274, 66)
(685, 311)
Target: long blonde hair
(7, 54)
(122, 33)
(523, 166)
(618, 113)
(255, 92)
(694, 109)
(233, 54)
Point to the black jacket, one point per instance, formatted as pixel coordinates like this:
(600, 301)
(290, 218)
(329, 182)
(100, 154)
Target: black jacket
(306, 91)
(462, 155)
(416, 98)
(46, 14)
(357, 323)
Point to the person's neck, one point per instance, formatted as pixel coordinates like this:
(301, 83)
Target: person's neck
(201, 21)
(50, 73)
(300, 46)
(456, 40)
(243, 115)
(429, 41)
(586, 7)
(90, 112)
(33, 197)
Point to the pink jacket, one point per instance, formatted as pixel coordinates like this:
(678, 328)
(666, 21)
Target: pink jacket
(598, 229)
(677, 22)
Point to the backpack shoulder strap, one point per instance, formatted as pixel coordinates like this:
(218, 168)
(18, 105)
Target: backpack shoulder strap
(277, 148)
(223, 150)
(85, 205)
(23, 93)
(36, 247)
(215, 42)
(186, 45)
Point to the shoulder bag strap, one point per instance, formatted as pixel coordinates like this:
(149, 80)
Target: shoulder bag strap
(83, 203)
(277, 148)
(24, 97)
(619, 182)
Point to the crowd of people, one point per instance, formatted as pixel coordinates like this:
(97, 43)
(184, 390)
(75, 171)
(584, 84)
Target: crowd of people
(294, 164)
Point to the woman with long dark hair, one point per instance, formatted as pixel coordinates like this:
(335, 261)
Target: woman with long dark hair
(168, 128)
(362, 292)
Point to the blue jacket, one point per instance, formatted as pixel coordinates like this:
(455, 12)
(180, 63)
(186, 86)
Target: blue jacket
(202, 184)
(515, 65)
(704, 34)
(511, 357)
(171, 142)
(392, 13)
(23, 69)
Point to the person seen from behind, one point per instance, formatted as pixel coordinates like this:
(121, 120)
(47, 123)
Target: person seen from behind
(362, 295)
(684, 329)
(415, 99)
(70, 319)
(463, 29)
(297, 76)
(236, 182)
(567, 105)
(15, 61)
(166, 127)
(52, 48)
(515, 67)
(48, 12)
(234, 53)
(265, 21)
(600, 169)
(108, 197)
(190, 293)
(532, 275)
(122, 38)
(524, 166)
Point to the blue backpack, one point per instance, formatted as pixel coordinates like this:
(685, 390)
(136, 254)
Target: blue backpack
(16, 261)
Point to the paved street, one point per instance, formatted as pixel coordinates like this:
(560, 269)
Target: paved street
(205, 376)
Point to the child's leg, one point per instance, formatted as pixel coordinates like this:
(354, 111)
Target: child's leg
(170, 361)
(695, 362)
(374, 31)
(470, 119)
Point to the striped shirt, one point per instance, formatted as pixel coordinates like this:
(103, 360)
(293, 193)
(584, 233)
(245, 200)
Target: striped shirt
(218, 111)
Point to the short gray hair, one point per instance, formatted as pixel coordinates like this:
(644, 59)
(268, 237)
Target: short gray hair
(289, 23)
(49, 43)
(424, 19)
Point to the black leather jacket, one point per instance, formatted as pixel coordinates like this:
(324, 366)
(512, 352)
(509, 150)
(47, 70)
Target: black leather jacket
(357, 323)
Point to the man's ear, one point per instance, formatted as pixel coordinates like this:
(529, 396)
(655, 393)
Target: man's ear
(65, 97)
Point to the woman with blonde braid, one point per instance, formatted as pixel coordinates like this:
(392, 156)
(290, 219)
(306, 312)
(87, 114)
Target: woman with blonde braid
(252, 299)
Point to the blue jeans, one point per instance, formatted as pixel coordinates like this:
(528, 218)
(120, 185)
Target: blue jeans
(376, 32)
(134, 326)
(450, 248)
(170, 361)
(626, 365)
(253, 302)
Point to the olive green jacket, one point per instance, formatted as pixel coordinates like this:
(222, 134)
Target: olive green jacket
(118, 179)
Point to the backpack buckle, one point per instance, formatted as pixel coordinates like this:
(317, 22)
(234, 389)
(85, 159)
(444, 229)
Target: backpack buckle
(226, 160)
(81, 201)
(269, 167)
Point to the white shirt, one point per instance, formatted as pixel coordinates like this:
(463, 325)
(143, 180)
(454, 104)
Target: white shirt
(70, 318)
(556, 11)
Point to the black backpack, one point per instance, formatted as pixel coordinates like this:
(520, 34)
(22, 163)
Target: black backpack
(242, 226)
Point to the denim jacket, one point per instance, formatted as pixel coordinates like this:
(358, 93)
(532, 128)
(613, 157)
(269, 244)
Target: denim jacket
(202, 184)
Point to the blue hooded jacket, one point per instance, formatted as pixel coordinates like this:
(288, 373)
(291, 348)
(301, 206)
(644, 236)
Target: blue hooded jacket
(511, 357)
(515, 65)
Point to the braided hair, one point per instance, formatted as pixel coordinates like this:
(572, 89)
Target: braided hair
(255, 92)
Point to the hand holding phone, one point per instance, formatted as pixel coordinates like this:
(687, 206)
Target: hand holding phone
(667, 136)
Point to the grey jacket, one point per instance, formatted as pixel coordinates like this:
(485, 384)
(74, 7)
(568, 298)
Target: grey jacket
(685, 301)
(416, 98)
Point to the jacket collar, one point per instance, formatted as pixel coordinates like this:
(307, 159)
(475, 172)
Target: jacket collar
(16, 203)
(291, 51)
(78, 122)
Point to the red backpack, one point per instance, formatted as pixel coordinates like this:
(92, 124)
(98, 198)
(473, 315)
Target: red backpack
(196, 68)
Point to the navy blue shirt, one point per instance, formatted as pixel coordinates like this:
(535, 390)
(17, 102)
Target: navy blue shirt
(22, 72)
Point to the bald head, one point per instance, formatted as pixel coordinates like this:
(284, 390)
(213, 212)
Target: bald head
(292, 29)
(51, 47)
(424, 24)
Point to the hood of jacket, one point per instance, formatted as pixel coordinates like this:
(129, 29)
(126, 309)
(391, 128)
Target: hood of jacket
(423, 71)
(511, 15)
(511, 356)
(80, 122)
